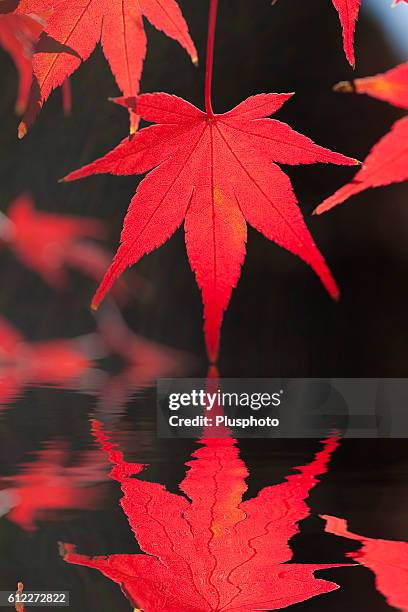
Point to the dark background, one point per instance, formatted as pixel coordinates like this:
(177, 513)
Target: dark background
(280, 321)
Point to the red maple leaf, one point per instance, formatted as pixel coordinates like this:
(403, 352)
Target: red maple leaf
(348, 11)
(214, 552)
(48, 243)
(388, 160)
(21, 24)
(215, 172)
(75, 28)
(387, 559)
(50, 483)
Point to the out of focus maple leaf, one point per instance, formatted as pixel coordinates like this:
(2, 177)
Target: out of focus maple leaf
(21, 24)
(51, 483)
(75, 28)
(215, 552)
(49, 243)
(386, 558)
(388, 160)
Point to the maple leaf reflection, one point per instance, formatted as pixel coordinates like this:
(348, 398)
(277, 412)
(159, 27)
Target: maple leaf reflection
(207, 549)
(387, 559)
(52, 483)
(72, 363)
(59, 363)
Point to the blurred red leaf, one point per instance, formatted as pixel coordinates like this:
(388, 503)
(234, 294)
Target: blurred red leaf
(387, 559)
(48, 243)
(75, 28)
(21, 24)
(216, 173)
(388, 160)
(215, 552)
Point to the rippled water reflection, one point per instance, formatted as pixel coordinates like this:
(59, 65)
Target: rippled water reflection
(55, 488)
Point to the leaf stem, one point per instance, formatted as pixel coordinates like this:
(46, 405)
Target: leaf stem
(210, 57)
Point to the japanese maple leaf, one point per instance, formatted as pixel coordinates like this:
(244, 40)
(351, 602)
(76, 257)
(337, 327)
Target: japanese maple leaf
(348, 11)
(215, 172)
(387, 559)
(388, 160)
(76, 26)
(208, 550)
(21, 24)
(50, 483)
(48, 243)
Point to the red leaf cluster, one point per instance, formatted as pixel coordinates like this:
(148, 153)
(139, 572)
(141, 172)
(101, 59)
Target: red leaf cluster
(76, 26)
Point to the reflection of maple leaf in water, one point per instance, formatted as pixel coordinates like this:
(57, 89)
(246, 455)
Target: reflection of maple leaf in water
(215, 552)
(387, 559)
(58, 362)
(49, 484)
(387, 161)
